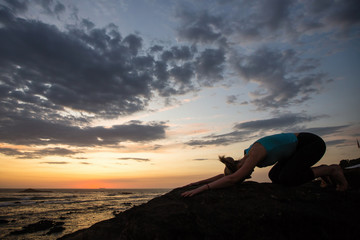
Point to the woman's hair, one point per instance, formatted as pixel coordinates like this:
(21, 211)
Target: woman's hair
(231, 165)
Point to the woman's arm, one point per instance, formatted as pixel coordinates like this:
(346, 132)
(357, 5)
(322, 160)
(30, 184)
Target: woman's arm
(256, 154)
(208, 180)
(224, 181)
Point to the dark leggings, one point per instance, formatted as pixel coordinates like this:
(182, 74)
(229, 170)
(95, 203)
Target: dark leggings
(296, 170)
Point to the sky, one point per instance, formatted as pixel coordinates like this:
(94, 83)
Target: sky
(148, 93)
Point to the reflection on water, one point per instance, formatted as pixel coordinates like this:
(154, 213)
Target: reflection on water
(74, 208)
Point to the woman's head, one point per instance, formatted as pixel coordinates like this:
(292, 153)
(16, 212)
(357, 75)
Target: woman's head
(230, 164)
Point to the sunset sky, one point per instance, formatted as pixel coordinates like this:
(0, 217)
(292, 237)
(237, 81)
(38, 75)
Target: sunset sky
(148, 93)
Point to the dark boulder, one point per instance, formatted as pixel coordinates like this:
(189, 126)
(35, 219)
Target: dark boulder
(245, 211)
(35, 227)
(42, 225)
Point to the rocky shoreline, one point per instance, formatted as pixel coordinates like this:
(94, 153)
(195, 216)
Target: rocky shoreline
(245, 211)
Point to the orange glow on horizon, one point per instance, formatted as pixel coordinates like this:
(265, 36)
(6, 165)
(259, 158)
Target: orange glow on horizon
(96, 184)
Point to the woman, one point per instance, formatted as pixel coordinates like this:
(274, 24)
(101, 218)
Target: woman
(293, 154)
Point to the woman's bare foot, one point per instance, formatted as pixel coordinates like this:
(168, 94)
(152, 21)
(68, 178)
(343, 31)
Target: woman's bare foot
(338, 175)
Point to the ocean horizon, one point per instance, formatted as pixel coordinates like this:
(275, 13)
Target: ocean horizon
(64, 209)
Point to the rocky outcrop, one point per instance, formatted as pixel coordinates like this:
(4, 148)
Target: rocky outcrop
(42, 225)
(245, 211)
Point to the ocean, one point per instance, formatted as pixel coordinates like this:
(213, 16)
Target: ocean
(66, 210)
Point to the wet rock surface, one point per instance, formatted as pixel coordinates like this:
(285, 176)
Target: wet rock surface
(245, 211)
(41, 226)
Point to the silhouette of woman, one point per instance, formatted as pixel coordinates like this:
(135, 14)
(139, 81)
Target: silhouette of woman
(292, 154)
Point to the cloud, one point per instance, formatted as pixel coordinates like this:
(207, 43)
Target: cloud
(56, 163)
(10, 151)
(342, 13)
(201, 159)
(200, 26)
(221, 139)
(324, 131)
(94, 71)
(41, 132)
(55, 82)
(135, 159)
(85, 163)
(336, 142)
(251, 130)
(283, 77)
(35, 154)
(249, 21)
(17, 6)
(48, 7)
(280, 122)
(231, 99)
(210, 66)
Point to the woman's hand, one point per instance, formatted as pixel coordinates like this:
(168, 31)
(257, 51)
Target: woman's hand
(194, 191)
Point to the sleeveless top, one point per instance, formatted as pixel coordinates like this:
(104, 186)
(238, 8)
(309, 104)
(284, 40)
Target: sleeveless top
(278, 147)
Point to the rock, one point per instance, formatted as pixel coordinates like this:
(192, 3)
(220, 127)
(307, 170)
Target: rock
(4, 221)
(35, 227)
(248, 210)
(57, 228)
(41, 226)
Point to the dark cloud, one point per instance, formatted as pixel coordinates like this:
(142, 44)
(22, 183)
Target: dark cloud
(38, 153)
(10, 152)
(201, 159)
(251, 130)
(280, 122)
(199, 26)
(59, 8)
(270, 19)
(336, 142)
(283, 77)
(176, 53)
(156, 48)
(81, 70)
(135, 159)
(210, 66)
(39, 132)
(55, 82)
(231, 99)
(56, 151)
(17, 6)
(324, 131)
(343, 13)
(51, 7)
(93, 70)
(56, 163)
(222, 139)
